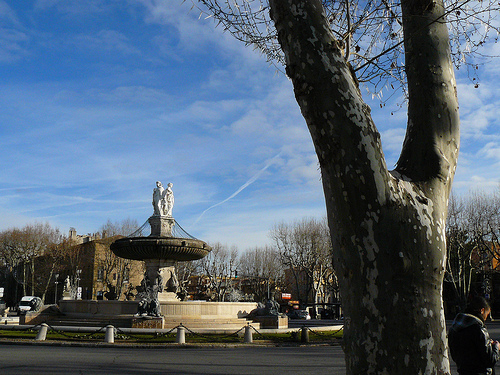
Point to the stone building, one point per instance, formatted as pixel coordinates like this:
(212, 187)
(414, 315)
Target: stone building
(79, 238)
(96, 273)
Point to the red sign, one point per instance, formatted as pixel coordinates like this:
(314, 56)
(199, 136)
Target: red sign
(286, 296)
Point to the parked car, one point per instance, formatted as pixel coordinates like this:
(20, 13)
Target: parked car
(29, 303)
(299, 314)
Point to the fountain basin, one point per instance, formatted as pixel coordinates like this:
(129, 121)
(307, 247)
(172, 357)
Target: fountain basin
(171, 248)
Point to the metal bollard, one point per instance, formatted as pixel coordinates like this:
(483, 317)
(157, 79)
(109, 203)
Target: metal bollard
(304, 335)
(248, 334)
(181, 335)
(42, 332)
(110, 334)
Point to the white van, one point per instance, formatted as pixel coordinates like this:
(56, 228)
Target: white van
(29, 303)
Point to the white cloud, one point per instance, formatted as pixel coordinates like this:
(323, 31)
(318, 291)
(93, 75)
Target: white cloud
(194, 31)
(491, 150)
(479, 110)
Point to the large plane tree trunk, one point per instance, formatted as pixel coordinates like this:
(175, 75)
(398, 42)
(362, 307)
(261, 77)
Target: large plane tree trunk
(387, 227)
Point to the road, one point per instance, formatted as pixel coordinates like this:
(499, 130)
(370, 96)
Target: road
(34, 359)
(53, 360)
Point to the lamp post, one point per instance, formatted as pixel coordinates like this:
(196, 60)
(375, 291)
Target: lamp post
(78, 293)
(56, 282)
(268, 288)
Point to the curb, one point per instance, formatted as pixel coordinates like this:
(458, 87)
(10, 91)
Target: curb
(123, 345)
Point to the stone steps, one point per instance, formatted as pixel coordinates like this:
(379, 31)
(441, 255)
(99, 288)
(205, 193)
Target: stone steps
(91, 322)
(235, 323)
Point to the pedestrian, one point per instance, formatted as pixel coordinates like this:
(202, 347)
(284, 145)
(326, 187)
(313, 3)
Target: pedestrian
(470, 345)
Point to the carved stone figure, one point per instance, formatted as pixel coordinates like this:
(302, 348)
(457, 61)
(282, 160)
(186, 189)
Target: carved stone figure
(163, 200)
(169, 200)
(159, 281)
(111, 293)
(272, 307)
(171, 284)
(67, 285)
(142, 310)
(148, 293)
(158, 199)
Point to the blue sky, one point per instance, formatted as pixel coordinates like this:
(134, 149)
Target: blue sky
(101, 98)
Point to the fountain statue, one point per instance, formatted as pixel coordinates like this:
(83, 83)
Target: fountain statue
(159, 251)
(163, 200)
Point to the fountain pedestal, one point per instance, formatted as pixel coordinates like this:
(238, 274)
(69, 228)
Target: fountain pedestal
(163, 271)
(161, 226)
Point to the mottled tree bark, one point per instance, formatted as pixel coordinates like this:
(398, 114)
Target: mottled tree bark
(387, 227)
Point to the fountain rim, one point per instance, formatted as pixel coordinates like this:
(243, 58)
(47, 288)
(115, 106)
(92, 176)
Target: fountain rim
(157, 247)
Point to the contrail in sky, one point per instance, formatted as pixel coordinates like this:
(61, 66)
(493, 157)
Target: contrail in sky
(242, 187)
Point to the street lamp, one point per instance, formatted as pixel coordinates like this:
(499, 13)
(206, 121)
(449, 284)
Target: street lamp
(268, 288)
(78, 293)
(56, 282)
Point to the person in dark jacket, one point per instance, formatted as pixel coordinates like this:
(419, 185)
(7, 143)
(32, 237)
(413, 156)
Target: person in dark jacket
(470, 345)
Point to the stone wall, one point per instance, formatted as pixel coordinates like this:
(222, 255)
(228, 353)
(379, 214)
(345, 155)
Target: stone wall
(201, 309)
(189, 309)
(98, 307)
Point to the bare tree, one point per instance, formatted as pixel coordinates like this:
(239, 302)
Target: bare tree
(194, 281)
(10, 258)
(306, 254)
(50, 263)
(114, 272)
(261, 271)
(10, 253)
(483, 221)
(473, 233)
(123, 228)
(387, 227)
(220, 266)
(369, 33)
(459, 267)
(38, 239)
(21, 248)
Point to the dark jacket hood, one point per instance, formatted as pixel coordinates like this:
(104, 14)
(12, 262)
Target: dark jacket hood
(463, 321)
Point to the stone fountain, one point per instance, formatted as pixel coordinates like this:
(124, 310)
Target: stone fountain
(159, 251)
(157, 304)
